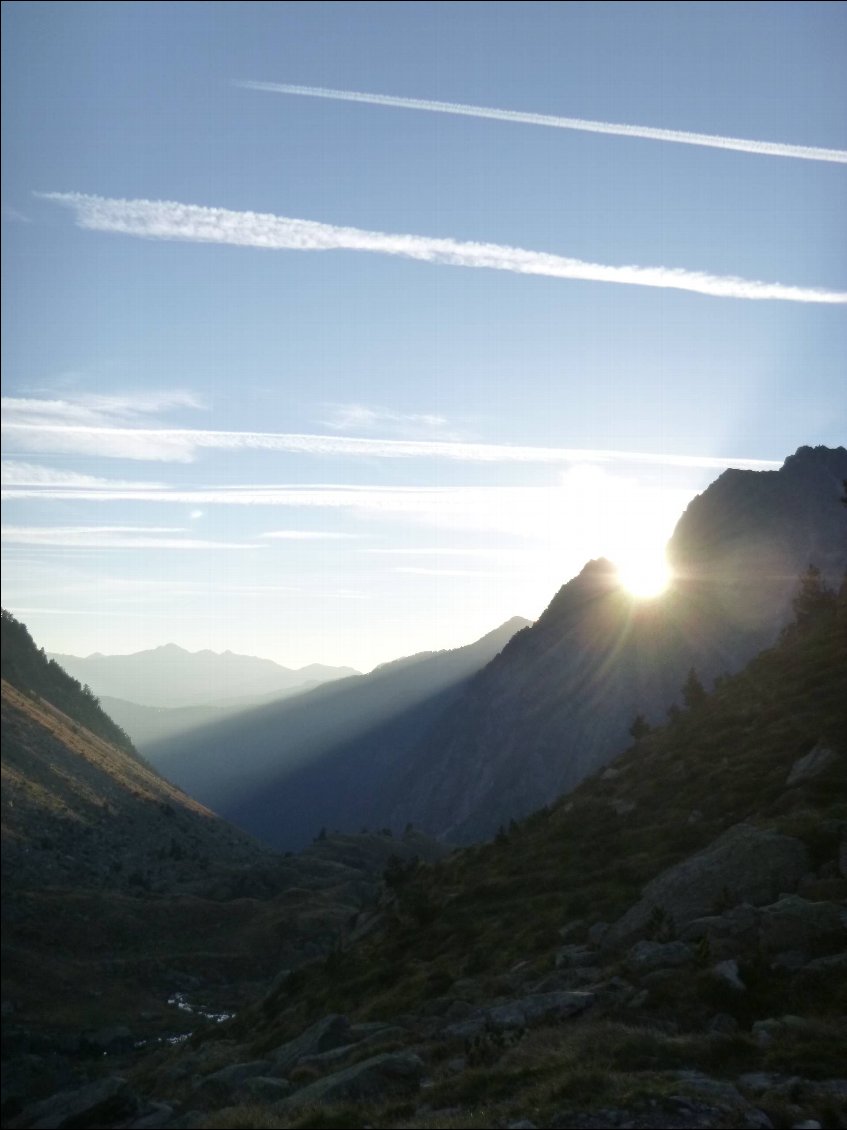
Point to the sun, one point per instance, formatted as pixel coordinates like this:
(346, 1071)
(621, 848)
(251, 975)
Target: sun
(644, 576)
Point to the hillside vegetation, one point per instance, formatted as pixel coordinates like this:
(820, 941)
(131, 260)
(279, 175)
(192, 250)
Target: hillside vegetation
(27, 667)
(663, 947)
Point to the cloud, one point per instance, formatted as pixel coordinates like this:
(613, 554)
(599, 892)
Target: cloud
(306, 535)
(192, 223)
(94, 409)
(183, 444)
(34, 419)
(447, 572)
(684, 137)
(13, 216)
(13, 473)
(360, 417)
(111, 537)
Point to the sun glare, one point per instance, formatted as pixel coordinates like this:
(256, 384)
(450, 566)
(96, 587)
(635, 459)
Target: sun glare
(644, 577)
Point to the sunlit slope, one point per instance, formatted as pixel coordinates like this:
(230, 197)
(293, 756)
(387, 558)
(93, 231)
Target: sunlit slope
(493, 913)
(559, 701)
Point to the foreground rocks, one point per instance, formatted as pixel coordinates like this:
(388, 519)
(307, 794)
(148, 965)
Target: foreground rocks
(745, 864)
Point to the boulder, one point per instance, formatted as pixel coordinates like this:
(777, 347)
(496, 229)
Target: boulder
(646, 955)
(794, 923)
(812, 765)
(102, 1103)
(261, 1088)
(375, 1078)
(331, 1032)
(538, 1006)
(726, 933)
(221, 1085)
(727, 971)
(745, 864)
(573, 955)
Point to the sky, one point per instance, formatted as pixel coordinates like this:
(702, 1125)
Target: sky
(338, 332)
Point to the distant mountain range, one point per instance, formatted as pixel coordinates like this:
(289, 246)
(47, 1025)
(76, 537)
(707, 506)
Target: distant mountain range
(172, 677)
(328, 757)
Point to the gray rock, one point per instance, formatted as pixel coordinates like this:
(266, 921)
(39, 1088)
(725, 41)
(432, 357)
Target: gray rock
(264, 1089)
(745, 864)
(569, 956)
(155, 1116)
(812, 765)
(715, 1090)
(398, 1074)
(330, 1032)
(796, 923)
(727, 971)
(100, 1103)
(539, 1006)
(831, 964)
(758, 1082)
(726, 933)
(465, 1029)
(646, 955)
(220, 1085)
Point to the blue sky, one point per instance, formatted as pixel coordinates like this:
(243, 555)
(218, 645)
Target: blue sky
(367, 435)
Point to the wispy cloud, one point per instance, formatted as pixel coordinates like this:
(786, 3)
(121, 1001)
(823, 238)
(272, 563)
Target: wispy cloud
(96, 409)
(447, 572)
(33, 418)
(307, 535)
(13, 473)
(111, 537)
(364, 418)
(13, 216)
(184, 444)
(151, 219)
(683, 137)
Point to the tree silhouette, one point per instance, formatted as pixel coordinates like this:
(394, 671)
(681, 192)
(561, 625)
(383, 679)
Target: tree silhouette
(640, 727)
(693, 692)
(813, 599)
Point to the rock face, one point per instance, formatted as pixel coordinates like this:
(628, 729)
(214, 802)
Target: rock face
(557, 704)
(382, 1075)
(745, 864)
(816, 761)
(332, 1031)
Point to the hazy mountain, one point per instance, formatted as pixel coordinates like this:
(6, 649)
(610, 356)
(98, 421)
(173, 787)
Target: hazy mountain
(149, 725)
(172, 677)
(326, 757)
(558, 702)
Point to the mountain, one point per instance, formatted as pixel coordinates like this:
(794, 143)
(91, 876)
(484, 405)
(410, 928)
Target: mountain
(150, 725)
(169, 676)
(120, 891)
(328, 757)
(558, 702)
(664, 947)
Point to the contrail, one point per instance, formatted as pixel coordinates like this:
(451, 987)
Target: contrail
(682, 137)
(157, 219)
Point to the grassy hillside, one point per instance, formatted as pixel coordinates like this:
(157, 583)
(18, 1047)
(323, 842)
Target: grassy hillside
(26, 667)
(460, 947)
